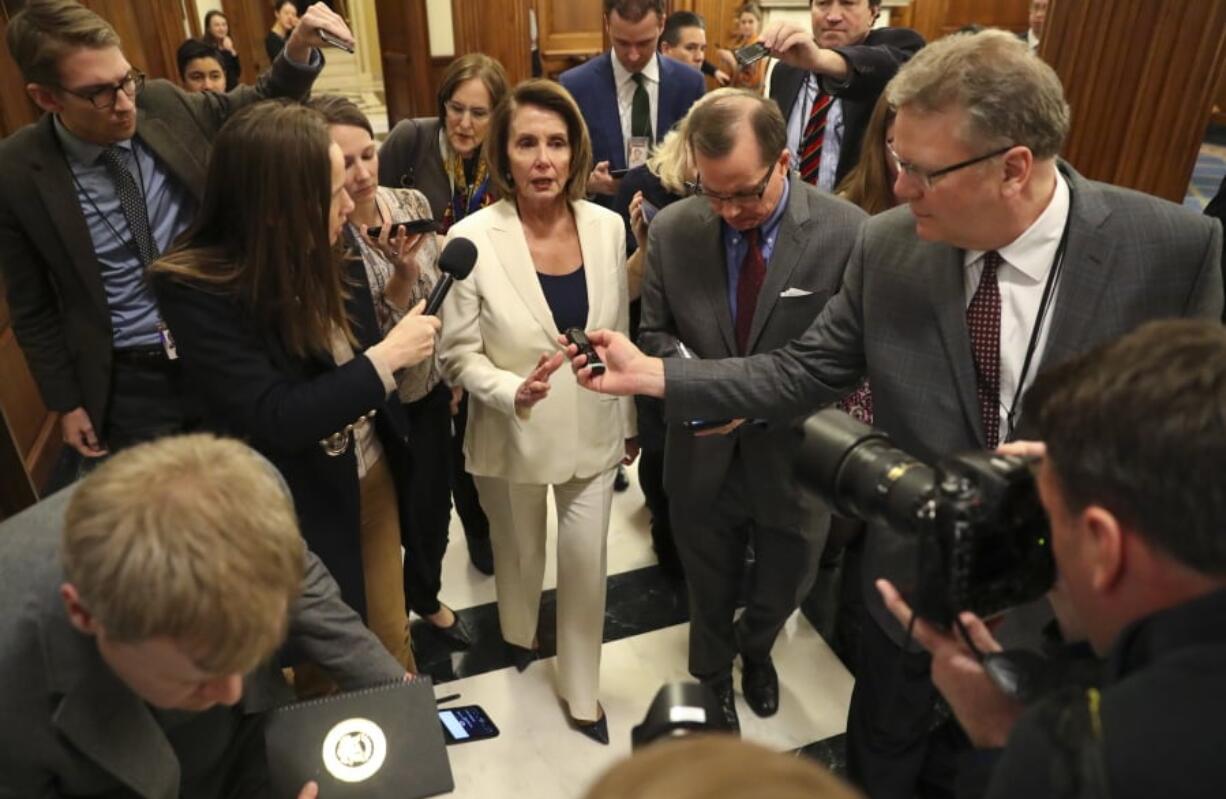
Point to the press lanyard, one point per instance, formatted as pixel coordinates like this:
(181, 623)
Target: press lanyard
(1044, 304)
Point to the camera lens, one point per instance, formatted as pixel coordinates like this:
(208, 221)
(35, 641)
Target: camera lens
(859, 473)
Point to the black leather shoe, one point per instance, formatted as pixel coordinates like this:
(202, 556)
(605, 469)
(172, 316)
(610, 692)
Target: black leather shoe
(722, 690)
(482, 555)
(760, 684)
(597, 730)
(621, 482)
(521, 658)
(457, 636)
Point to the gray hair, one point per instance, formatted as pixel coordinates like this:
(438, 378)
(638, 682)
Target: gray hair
(1010, 96)
(712, 127)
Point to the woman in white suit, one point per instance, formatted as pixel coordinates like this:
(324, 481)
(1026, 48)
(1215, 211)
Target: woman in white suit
(548, 261)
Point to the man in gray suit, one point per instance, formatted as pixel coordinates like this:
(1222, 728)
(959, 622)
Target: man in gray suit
(92, 193)
(1004, 262)
(743, 269)
(140, 624)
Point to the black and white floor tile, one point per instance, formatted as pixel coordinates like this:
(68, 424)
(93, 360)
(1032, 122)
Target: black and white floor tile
(645, 634)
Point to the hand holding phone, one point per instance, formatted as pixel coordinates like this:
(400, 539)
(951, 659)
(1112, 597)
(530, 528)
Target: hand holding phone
(750, 54)
(577, 337)
(412, 227)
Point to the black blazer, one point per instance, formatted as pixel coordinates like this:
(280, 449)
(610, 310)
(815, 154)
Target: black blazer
(874, 62)
(282, 405)
(409, 158)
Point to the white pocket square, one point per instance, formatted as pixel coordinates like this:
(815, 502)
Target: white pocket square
(795, 292)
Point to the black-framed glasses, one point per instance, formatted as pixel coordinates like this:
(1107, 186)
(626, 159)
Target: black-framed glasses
(106, 95)
(458, 110)
(929, 176)
(741, 197)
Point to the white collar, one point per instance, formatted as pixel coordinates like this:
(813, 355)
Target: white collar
(621, 75)
(1033, 252)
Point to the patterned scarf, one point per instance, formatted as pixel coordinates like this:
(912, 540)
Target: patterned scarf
(465, 199)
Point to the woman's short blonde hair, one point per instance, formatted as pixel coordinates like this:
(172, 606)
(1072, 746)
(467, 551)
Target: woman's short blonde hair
(717, 766)
(550, 96)
(193, 538)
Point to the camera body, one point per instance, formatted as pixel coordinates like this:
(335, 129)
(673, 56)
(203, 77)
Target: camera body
(983, 538)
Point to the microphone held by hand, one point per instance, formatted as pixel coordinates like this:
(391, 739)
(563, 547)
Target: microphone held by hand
(456, 262)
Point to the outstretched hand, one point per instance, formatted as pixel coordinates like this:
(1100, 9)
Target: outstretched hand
(536, 385)
(627, 370)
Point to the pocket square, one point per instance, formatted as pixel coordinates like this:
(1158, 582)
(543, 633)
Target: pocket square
(795, 292)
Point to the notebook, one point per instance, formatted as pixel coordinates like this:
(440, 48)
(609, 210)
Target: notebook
(378, 743)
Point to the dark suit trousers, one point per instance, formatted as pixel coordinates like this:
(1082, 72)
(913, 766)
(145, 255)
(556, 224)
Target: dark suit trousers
(146, 401)
(898, 745)
(463, 490)
(429, 499)
(711, 539)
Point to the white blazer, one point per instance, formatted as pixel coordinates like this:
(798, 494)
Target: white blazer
(496, 325)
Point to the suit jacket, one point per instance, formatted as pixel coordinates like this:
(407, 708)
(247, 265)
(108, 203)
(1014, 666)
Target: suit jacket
(283, 405)
(685, 295)
(496, 325)
(900, 320)
(410, 158)
(873, 62)
(593, 88)
(70, 728)
(54, 283)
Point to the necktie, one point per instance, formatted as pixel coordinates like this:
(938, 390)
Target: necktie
(748, 286)
(640, 109)
(811, 138)
(132, 201)
(983, 324)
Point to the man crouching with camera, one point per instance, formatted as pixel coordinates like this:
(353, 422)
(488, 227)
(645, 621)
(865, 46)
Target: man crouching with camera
(1134, 442)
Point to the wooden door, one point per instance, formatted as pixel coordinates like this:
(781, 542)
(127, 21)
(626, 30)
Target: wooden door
(404, 40)
(507, 42)
(249, 24)
(569, 32)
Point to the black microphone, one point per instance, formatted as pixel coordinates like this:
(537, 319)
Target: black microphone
(456, 262)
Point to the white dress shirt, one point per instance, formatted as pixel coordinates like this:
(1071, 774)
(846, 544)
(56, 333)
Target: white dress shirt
(1022, 275)
(624, 81)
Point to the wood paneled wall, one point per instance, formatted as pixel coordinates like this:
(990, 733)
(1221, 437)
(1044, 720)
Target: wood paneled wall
(936, 18)
(249, 24)
(1141, 95)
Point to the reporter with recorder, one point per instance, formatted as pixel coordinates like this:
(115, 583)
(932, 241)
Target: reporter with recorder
(1133, 441)
(402, 269)
(549, 261)
(278, 336)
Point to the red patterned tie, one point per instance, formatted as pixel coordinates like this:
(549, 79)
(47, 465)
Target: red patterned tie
(748, 285)
(983, 324)
(812, 137)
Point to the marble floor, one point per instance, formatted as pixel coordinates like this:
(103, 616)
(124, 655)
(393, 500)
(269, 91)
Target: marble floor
(645, 635)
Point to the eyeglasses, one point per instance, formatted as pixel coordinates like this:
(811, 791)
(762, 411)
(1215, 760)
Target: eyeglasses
(105, 96)
(740, 198)
(928, 177)
(458, 111)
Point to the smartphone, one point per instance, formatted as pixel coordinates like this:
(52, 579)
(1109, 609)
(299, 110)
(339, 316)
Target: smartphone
(751, 54)
(618, 173)
(413, 227)
(697, 425)
(466, 723)
(336, 42)
(577, 337)
(649, 212)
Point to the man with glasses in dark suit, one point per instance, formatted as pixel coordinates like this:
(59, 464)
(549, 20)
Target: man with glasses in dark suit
(1003, 262)
(93, 193)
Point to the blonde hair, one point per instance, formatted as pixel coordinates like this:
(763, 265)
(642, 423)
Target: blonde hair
(193, 538)
(1010, 95)
(717, 766)
(549, 96)
(45, 31)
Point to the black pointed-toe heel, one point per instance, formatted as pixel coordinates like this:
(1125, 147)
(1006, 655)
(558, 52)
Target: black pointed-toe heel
(597, 730)
(521, 658)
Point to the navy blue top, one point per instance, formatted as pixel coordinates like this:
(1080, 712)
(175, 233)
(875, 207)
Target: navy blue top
(567, 298)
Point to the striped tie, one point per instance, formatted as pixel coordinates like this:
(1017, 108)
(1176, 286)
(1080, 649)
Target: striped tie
(811, 139)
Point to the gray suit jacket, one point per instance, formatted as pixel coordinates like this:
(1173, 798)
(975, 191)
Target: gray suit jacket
(54, 283)
(685, 296)
(70, 727)
(900, 319)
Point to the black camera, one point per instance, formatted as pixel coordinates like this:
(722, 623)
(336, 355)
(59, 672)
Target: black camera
(983, 540)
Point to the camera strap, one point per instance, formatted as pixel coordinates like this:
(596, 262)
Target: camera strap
(1053, 276)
